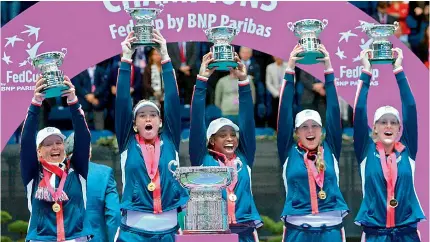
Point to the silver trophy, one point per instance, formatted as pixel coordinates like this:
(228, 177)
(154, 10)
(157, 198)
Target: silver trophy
(381, 47)
(206, 209)
(143, 18)
(223, 52)
(308, 31)
(48, 64)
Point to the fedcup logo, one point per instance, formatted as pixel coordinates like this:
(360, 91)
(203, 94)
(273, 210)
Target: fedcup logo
(349, 74)
(20, 74)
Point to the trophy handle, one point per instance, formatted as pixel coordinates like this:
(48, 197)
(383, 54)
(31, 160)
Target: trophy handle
(290, 25)
(396, 25)
(64, 50)
(324, 22)
(240, 165)
(172, 162)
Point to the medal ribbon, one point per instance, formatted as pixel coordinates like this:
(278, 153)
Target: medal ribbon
(231, 205)
(390, 174)
(48, 170)
(151, 156)
(313, 176)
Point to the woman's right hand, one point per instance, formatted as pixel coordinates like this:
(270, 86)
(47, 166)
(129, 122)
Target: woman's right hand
(364, 56)
(204, 71)
(293, 56)
(127, 49)
(40, 84)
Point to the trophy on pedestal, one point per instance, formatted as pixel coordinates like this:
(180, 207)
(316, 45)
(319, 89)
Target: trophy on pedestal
(308, 31)
(143, 27)
(381, 47)
(48, 64)
(223, 52)
(206, 209)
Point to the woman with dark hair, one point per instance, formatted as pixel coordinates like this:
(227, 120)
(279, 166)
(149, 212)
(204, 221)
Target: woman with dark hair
(153, 87)
(151, 196)
(221, 145)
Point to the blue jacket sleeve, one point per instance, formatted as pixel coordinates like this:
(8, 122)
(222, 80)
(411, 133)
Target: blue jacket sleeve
(333, 122)
(361, 129)
(29, 164)
(112, 211)
(82, 140)
(197, 148)
(285, 117)
(409, 113)
(247, 142)
(172, 105)
(123, 107)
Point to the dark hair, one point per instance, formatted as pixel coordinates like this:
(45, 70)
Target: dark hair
(150, 54)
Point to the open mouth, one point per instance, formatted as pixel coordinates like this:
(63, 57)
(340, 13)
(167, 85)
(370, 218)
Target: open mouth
(388, 133)
(310, 138)
(228, 147)
(55, 155)
(148, 127)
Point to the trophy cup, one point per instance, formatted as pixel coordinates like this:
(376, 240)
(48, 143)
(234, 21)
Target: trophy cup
(381, 47)
(206, 209)
(143, 27)
(308, 30)
(48, 64)
(223, 52)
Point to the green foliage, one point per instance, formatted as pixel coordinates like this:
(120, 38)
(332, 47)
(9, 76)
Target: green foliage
(5, 217)
(18, 226)
(275, 228)
(110, 142)
(275, 239)
(6, 239)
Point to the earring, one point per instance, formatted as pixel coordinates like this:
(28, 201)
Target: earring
(376, 132)
(161, 125)
(135, 129)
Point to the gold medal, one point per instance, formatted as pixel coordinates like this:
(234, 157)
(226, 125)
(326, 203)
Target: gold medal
(151, 187)
(394, 203)
(322, 195)
(232, 197)
(56, 207)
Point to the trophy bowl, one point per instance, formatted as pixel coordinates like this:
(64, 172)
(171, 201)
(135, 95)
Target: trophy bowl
(381, 47)
(223, 52)
(308, 30)
(48, 64)
(143, 27)
(206, 209)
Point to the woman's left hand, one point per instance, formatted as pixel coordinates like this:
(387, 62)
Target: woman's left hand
(240, 72)
(69, 93)
(326, 58)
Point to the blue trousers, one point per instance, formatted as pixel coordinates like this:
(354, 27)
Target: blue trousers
(294, 233)
(127, 234)
(246, 234)
(396, 234)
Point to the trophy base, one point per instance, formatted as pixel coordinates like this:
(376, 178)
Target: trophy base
(223, 65)
(310, 57)
(381, 61)
(54, 91)
(150, 44)
(206, 231)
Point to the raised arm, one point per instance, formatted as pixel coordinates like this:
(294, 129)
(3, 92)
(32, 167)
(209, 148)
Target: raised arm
(112, 211)
(123, 102)
(285, 112)
(247, 142)
(172, 105)
(333, 121)
(81, 149)
(29, 164)
(361, 128)
(197, 147)
(409, 108)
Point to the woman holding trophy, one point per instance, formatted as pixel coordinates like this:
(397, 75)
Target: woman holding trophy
(55, 185)
(390, 209)
(151, 196)
(314, 206)
(221, 145)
